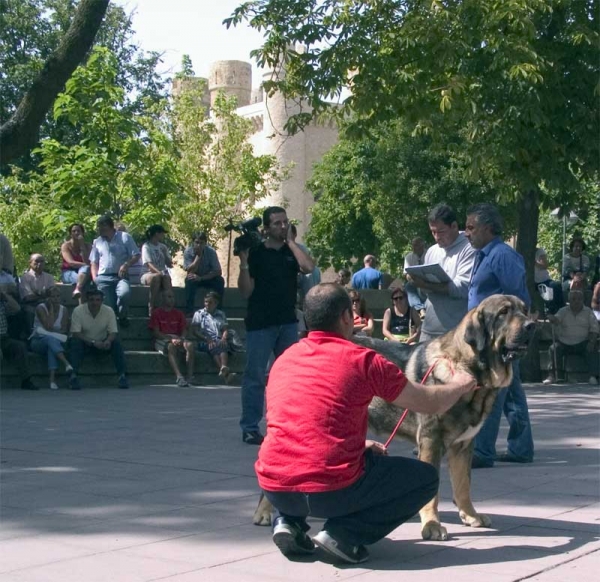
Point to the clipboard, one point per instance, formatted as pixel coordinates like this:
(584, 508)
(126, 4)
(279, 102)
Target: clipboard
(432, 273)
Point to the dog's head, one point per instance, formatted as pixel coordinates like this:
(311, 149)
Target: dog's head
(499, 331)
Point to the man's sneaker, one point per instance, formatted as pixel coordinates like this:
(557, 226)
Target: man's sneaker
(253, 437)
(593, 381)
(479, 463)
(182, 382)
(341, 550)
(507, 457)
(549, 380)
(27, 384)
(290, 539)
(74, 382)
(123, 382)
(53, 386)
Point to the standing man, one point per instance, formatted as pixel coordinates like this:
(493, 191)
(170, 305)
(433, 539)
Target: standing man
(416, 257)
(316, 460)
(446, 303)
(368, 277)
(499, 269)
(268, 279)
(113, 252)
(203, 270)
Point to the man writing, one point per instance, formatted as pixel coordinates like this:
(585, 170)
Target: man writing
(446, 303)
(315, 459)
(269, 279)
(499, 269)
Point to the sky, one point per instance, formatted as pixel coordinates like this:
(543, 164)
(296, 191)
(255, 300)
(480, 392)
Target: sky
(193, 27)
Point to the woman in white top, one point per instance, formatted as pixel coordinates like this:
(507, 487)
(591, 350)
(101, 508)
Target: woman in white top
(51, 321)
(155, 259)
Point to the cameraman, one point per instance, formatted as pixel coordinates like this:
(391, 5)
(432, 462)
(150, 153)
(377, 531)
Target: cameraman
(268, 279)
(203, 270)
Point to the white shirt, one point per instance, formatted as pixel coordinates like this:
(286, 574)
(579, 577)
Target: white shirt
(575, 328)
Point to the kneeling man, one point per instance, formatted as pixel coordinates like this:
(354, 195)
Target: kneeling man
(315, 459)
(94, 330)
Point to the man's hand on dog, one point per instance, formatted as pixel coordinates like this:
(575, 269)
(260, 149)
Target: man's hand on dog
(377, 448)
(467, 381)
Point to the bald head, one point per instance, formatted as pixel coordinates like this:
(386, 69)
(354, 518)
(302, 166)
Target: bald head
(324, 308)
(37, 262)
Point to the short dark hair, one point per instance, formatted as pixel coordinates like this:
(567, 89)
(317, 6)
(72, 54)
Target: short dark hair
(154, 229)
(486, 213)
(105, 220)
(213, 295)
(199, 235)
(324, 305)
(92, 290)
(269, 211)
(76, 224)
(443, 213)
(577, 238)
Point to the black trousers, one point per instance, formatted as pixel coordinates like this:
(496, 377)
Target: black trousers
(390, 492)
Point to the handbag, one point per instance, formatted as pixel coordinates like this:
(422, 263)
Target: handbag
(546, 292)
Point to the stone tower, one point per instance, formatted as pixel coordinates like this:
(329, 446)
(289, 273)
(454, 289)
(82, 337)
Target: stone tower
(234, 78)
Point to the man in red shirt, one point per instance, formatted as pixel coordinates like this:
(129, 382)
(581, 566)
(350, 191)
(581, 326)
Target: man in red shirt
(315, 459)
(168, 326)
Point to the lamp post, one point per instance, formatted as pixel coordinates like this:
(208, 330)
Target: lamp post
(567, 219)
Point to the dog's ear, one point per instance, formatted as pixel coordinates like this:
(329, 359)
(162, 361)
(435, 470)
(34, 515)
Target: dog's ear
(476, 332)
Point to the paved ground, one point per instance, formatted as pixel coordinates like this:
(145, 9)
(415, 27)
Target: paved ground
(154, 483)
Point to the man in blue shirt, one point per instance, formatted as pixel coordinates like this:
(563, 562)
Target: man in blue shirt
(113, 252)
(499, 269)
(368, 277)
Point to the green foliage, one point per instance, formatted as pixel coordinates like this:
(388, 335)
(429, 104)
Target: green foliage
(220, 179)
(373, 195)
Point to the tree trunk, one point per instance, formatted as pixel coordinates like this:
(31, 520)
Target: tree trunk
(20, 133)
(529, 216)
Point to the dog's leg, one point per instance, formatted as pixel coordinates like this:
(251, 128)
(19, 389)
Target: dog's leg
(430, 451)
(262, 515)
(459, 466)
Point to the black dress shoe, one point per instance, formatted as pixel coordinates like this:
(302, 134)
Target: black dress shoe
(479, 463)
(508, 458)
(253, 437)
(27, 384)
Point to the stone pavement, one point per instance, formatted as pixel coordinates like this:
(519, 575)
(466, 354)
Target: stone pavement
(154, 483)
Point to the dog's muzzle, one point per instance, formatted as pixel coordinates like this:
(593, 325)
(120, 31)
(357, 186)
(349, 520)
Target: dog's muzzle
(518, 347)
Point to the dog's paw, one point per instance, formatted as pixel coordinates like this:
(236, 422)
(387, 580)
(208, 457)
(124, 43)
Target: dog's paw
(477, 520)
(261, 517)
(435, 531)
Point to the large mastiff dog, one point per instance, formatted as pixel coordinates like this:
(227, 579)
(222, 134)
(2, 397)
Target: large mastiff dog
(484, 344)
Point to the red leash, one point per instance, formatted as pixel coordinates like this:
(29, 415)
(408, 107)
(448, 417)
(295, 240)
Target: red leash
(427, 374)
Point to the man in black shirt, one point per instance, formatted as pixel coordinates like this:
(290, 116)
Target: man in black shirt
(268, 278)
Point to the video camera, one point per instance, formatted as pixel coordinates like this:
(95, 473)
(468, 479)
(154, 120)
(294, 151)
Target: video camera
(250, 236)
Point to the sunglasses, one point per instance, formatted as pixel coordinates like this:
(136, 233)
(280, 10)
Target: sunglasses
(356, 301)
(397, 297)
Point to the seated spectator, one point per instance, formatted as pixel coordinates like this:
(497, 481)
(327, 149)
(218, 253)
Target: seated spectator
(169, 327)
(33, 286)
(203, 270)
(542, 277)
(136, 269)
(596, 301)
(416, 298)
(576, 333)
(401, 322)
(156, 259)
(209, 326)
(343, 277)
(363, 320)
(113, 253)
(13, 349)
(368, 277)
(94, 331)
(7, 264)
(75, 253)
(50, 329)
(576, 266)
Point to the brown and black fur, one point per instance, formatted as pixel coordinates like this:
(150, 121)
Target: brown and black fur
(484, 344)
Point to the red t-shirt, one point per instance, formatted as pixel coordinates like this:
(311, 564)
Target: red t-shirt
(318, 395)
(169, 322)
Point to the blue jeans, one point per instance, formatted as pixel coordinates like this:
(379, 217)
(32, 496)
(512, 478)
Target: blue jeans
(414, 299)
(70, 277)
(513, 402)
(215, 284)
(259, 346)
(79, 349)
(390, 491)
(50, 346)
(116, 293)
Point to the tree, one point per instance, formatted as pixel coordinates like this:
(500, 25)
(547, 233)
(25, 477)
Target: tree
(368, 192)
(517, 80)
(19, 133)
